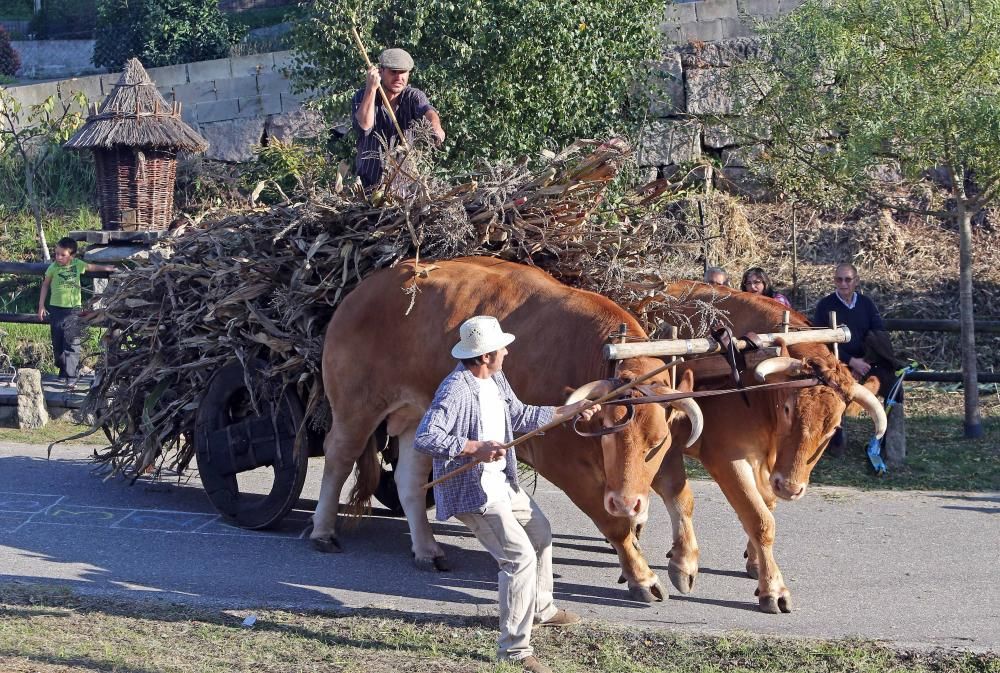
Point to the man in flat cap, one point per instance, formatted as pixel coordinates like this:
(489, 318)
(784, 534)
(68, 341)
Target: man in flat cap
(372, 121)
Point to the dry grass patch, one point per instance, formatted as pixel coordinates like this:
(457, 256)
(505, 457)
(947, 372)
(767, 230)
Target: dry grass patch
(54, 430)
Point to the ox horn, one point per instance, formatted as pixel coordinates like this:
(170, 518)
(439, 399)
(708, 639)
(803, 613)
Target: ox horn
(590, 391)
(870, 403)
(690, 408)
(777, 365)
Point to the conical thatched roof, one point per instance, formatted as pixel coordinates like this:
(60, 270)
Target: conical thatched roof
(136, 115)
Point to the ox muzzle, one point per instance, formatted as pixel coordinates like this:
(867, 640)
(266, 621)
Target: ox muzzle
(625, 502)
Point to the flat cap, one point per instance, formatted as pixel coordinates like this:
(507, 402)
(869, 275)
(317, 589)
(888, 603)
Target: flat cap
(395, 59)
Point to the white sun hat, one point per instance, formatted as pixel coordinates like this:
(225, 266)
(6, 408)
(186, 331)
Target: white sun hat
(480, 335)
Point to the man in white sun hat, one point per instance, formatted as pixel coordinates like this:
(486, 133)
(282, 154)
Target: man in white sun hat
(474, 413)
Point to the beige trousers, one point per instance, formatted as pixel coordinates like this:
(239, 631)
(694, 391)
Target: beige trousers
(519, 537)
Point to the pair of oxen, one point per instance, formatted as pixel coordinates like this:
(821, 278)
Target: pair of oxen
(386, 351)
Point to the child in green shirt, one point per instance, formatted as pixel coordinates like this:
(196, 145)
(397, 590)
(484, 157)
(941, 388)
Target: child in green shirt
(63, 277)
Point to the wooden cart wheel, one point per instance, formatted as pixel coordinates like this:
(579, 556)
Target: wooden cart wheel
(231, 439)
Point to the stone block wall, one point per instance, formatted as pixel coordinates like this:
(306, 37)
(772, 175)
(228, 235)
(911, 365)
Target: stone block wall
(48, 59)
(235, 103)
(690, 118)
(717, 20)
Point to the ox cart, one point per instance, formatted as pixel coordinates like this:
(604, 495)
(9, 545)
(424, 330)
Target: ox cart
(232, 442)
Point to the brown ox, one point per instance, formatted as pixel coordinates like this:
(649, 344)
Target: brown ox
(762, 450)
(383, 359)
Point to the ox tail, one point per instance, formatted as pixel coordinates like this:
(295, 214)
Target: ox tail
(368, 474)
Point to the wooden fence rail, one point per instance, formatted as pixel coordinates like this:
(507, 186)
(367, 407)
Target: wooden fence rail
(24, 268)
(31, 269)
(952, 377)
(928, 325)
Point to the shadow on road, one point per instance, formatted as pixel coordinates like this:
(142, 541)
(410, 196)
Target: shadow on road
(62, 523)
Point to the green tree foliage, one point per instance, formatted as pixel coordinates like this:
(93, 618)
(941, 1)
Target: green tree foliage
(283, 171)
(160, 32)
(9, 60)
(31, 153)
(865, 99)
(506, 75)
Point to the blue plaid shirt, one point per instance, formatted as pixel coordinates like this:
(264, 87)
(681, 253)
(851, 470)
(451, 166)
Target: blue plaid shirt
(453, 418)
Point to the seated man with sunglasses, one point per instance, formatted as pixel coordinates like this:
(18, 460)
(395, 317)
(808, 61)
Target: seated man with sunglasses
(862, 317)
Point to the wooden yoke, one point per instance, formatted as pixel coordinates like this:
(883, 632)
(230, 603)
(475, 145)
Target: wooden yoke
(671, 347)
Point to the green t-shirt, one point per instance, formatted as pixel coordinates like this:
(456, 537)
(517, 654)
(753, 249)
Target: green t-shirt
(64, 290)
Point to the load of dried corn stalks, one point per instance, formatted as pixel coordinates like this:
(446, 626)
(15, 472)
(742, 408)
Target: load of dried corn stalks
(263, 284)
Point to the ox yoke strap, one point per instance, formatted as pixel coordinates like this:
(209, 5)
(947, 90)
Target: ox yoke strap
(733, 355)
(605, 431)
(669, 397)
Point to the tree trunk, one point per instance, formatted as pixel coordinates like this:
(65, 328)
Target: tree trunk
(36, 210)
(973, 424)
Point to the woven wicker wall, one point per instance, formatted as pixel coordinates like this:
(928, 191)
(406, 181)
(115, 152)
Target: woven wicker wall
(135, 188)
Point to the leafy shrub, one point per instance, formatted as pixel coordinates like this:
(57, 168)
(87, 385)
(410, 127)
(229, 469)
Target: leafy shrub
(287, 169)
(10, 62)
(65, 19)
(160, 32)
(507, 76)
(36, 172)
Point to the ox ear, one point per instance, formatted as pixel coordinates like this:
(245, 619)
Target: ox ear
(685, 383)
(784, 347)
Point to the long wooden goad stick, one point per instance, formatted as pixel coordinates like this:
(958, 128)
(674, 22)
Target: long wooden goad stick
(556, 422)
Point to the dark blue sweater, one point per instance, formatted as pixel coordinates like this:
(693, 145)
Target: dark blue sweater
(861, 319)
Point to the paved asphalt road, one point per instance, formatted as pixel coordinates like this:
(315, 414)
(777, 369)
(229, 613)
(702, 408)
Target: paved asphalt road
(916, 569)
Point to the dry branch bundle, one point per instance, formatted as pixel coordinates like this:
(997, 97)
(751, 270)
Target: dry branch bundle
(263, 284)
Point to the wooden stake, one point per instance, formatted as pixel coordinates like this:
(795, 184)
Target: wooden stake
(833, 325)
(673, 358)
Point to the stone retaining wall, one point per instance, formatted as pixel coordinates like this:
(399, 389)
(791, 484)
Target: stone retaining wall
(718, 20)
(48, 59)
(688, 120)
(236, 103)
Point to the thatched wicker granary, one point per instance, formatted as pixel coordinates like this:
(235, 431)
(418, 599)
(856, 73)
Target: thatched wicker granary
(135, 137)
